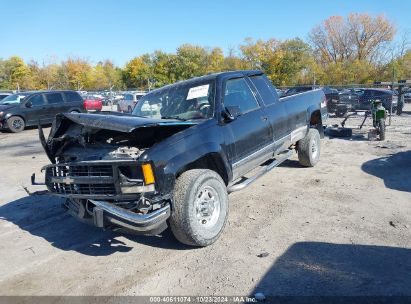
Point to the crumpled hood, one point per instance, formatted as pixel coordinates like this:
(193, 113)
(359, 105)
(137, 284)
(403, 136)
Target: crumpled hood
(120, 123)
(82, 129)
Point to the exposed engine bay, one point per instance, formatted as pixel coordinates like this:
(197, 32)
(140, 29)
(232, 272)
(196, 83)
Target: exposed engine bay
(97, 168)
(80, 137)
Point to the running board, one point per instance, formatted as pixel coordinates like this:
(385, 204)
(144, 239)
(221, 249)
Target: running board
(247, 181)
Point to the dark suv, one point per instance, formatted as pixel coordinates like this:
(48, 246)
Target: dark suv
(29, 108)
(331, 95)
(360, 99)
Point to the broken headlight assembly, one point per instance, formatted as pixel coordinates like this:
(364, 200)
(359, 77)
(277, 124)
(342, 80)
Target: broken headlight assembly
(136, 179)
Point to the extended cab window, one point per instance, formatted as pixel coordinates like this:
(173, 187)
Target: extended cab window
(268, 94)
(238, 93)
(37, 100)
(54, 98)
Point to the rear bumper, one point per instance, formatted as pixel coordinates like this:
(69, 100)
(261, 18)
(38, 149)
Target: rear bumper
(109, 216)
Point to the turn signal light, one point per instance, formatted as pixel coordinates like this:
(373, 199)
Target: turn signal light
(148, 174)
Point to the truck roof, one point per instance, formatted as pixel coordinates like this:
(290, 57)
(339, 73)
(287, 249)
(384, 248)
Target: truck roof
(213, 76)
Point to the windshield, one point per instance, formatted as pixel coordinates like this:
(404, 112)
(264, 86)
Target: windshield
(12, 99)
(185, 101)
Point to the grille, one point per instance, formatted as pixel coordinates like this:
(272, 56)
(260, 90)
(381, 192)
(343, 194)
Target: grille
(79, 171)
(81, 179)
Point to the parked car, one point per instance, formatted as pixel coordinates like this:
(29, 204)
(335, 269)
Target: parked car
(129, 101)
(92, 103)
(20, 110)
(297, 90)
(4, 95)
(332, 98)
(184, 147)
(407, 97)
(331, 95)
(360, 99)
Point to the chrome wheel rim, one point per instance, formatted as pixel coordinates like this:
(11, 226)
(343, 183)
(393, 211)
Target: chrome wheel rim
(208, 207)
(314, 149)
(17, 124)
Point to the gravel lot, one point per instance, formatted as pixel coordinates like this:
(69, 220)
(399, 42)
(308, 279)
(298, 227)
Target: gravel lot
(341, 228)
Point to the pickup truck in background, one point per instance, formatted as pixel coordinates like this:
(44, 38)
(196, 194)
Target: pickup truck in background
(175, 158)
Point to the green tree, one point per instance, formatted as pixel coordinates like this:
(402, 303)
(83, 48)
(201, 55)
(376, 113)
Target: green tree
(14, 74)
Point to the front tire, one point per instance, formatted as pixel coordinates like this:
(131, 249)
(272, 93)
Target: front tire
(16, 124)
(200, 207)
(309, 149)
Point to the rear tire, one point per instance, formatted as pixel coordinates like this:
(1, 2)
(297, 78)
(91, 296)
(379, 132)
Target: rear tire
(400, 106)
(338, 132)
(381, 127)
(309, 149)
(200, 207)
(16, 124)
(341, 112)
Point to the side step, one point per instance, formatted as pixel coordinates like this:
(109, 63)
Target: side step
(244, 182)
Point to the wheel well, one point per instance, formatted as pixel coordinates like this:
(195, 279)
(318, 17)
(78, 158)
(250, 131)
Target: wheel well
(316, 122)
(315, 118)
(16, 116)
(210, 161)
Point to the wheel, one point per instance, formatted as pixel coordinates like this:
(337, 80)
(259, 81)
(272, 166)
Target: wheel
(399, 108)
(341, 112)
(309, 149)
(200, 207)
(339, 132)
(381, 128)
(16, 124)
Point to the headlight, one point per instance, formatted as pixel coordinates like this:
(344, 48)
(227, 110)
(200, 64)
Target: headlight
(136, 179)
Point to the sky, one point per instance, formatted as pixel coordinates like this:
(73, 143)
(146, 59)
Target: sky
(52, 30)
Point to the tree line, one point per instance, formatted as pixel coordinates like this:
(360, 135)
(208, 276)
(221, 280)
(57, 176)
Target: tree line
(358, 48)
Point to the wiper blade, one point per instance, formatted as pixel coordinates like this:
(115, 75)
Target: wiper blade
(173, 117)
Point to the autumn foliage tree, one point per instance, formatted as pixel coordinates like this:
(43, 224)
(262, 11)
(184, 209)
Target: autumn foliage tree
(357, 48)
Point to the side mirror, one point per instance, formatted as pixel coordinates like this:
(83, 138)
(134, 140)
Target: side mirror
(232, 112)
(29, 104)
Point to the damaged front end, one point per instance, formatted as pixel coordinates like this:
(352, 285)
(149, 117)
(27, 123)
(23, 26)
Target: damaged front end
(100, 165)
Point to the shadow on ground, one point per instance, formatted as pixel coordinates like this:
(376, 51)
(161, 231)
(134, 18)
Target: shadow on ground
(394, 170)
(324, 269)
(43, 216)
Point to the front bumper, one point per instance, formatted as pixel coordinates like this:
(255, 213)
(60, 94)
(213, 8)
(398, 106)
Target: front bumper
(109, 216)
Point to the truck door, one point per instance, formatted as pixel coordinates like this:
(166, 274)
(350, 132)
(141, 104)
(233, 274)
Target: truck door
(275, 110)
(249, 136)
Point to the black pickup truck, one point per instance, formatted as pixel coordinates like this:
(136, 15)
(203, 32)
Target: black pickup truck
(175, 158)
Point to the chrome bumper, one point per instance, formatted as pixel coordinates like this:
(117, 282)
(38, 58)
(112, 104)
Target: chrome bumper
(108, 215)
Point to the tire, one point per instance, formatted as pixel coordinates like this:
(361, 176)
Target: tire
(193, 189)
(16, 124)
(399, 108)
(341, 112)
(309, 149)
(381, 128)
(339, 132)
